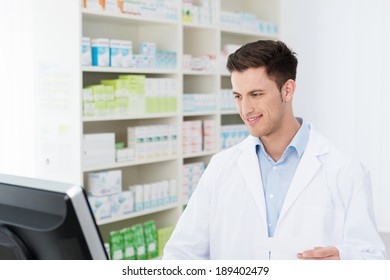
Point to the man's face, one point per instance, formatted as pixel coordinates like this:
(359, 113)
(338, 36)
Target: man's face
(258, 101)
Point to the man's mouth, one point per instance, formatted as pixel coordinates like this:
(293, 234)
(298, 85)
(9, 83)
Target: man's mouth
(253, 119)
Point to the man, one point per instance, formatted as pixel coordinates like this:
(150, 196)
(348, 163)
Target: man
(284, 192)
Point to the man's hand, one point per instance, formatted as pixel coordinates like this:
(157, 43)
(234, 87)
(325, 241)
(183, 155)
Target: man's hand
(320, 253)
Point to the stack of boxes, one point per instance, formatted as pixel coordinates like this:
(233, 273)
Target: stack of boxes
(247, 21)
(198, 102)
(227, 100)
(209, 135)
(104, 52)
(106, 197)
(138, 242)
(192, 137)
(160, 95)
(199, 136)
(200, 63)
(152, 141)
(204, 13)
(132, 95)
(144, 143)
(191, 175)
(107, 200)
(153, 195)
(164, 9)
(232, 135)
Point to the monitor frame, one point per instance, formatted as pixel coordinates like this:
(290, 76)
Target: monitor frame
(79, 201)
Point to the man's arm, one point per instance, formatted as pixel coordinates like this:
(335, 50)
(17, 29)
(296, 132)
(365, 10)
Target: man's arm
(190, 239)
(360, 236)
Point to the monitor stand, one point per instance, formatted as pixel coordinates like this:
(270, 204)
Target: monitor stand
(11, 247)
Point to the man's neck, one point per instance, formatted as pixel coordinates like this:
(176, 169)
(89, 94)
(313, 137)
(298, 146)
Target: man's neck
(277, 142)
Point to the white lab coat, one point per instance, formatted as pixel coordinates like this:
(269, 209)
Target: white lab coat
(328, 203)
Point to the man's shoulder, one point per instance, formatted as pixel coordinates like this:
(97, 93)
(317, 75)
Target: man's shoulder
(234, 150)
(336, 158)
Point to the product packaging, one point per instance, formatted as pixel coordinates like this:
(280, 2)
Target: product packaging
(116, 245)
(151, 239)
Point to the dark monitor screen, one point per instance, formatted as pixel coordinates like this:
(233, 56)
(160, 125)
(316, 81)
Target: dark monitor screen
(42, 219)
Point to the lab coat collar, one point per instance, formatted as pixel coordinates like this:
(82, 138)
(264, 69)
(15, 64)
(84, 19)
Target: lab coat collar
(307, 168)
(250, 170)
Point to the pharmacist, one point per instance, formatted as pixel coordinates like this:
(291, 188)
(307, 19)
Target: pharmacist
(285, 192)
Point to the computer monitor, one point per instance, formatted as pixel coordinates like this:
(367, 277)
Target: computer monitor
(42, 219)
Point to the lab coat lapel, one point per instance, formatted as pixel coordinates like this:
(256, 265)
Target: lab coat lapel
(249, 167)
(306, 170)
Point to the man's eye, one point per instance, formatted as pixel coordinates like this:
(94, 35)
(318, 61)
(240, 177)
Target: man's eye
(236, 96)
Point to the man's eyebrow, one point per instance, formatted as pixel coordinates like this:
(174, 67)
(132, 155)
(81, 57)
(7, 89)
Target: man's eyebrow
(252, 91)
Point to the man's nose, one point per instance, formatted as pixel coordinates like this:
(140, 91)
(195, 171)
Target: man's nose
(246, 105)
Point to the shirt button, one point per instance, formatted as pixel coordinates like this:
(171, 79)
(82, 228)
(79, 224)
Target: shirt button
(274, 167)
(269, 225)
(271, 196)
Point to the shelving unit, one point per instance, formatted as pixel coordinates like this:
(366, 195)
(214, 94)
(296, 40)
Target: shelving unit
(185, 38)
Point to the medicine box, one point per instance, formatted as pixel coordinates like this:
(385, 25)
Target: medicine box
(139, 196)
(122, 204)
(100, 206)
(86, 54)
(100, 52)
(127, 53)
(98, 149)
(115, 53)
(105, 183)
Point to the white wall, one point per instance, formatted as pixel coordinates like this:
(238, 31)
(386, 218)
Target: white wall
(342, 51)
(40, 82)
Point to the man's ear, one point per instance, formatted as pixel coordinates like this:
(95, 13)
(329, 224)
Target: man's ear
(288, 90)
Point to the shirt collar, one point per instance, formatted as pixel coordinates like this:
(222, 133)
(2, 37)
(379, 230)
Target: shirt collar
(301, 138)
(298, 143)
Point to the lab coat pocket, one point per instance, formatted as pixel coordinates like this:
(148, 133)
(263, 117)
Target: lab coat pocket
(323, 226)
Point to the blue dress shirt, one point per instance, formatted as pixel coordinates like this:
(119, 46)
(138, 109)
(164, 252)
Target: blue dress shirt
(277, 176)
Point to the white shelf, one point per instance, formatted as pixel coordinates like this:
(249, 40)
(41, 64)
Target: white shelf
(194, 114)
(241, 32)
(192, 25)
(112, 17)
(100, 69)
(137, 214)
(229, 112)
(199, 72)
(130, 117)
(127, 164)
(201, 154)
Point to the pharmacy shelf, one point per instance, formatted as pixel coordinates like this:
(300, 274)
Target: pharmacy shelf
(127, 164)
(199, 73)
(98, 69)
(201, 154)
(137, 214)
(191, 25)
(229, 112)
(248, 33)
(118, 17)
(195, 114)
(183, 38)
(130, 117)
